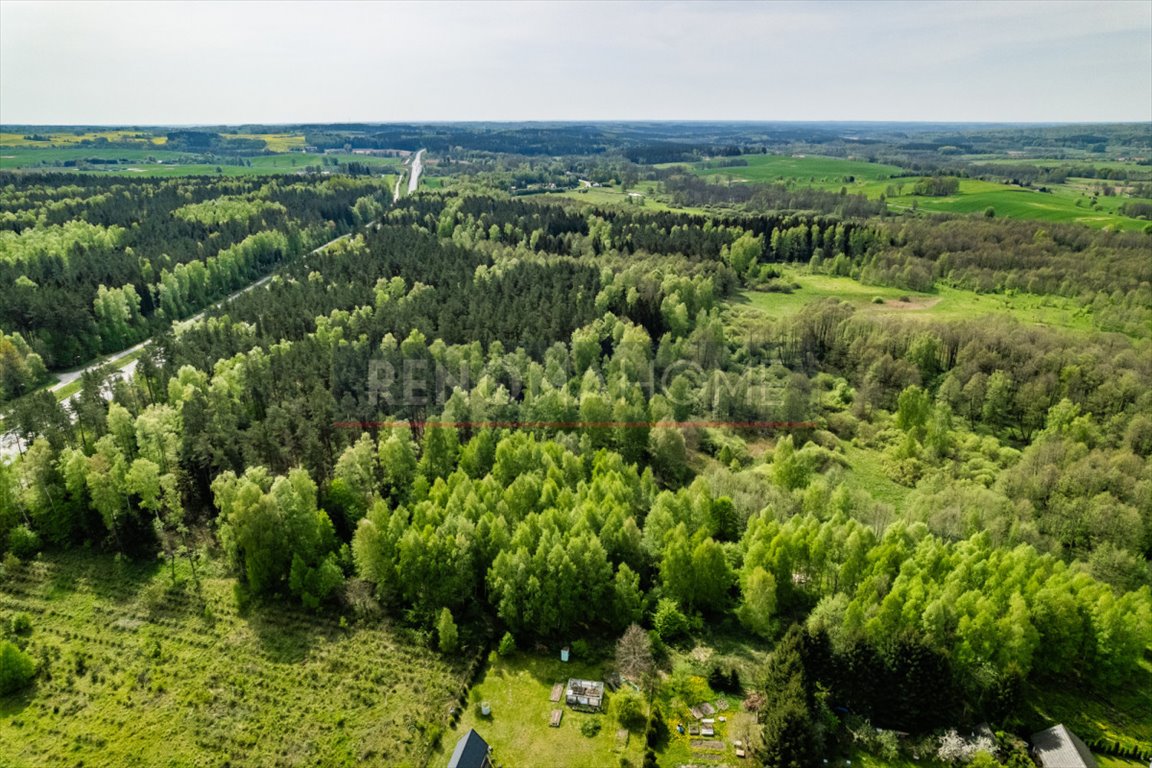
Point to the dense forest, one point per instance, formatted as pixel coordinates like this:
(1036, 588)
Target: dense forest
(503, 411)
(97, 264)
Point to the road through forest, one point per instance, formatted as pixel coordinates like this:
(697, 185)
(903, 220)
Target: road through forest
(10, 443)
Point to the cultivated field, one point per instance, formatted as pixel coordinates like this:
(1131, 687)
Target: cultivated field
(139, 673)
(822, 172)
(159, 162)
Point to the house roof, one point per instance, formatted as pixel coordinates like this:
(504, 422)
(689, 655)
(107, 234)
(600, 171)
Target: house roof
(471, 751)
(1058, 747)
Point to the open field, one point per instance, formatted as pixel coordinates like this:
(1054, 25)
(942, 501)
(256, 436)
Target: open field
(645, 197)
(141, 673)
(944, 304)
(1059, 205)
(277, 142)
(66, 138)
(1068, 202)
(817, 171)
(518, 689)
(152, 162)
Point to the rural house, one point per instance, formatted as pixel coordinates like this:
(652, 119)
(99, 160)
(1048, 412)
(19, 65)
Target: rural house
(585, 694)
(1058, 747)
(471, 752)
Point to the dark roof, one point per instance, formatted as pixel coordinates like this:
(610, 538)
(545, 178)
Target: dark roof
(471, 751)
(1058, 747)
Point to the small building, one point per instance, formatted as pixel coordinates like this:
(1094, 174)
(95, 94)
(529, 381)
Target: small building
(471, 752)
(585, 694)
(1058, 747)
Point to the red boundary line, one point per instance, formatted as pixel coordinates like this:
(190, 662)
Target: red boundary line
(575, 424)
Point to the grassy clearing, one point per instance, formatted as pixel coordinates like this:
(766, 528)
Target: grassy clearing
(944, 304)
(645, 197)
(518, 690)
(143, 673)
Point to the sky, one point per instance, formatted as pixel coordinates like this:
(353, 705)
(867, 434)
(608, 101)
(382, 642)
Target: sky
(219, 62)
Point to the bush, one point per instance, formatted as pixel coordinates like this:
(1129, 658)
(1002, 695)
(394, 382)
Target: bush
(446, 632)
(507, 645)
(16, 668)
(23, 542)
(590, 727)
(581, 649)
(21, 624)
(628, 708)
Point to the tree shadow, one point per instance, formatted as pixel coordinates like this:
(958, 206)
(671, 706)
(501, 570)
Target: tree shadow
(13, 704)
(287, 635)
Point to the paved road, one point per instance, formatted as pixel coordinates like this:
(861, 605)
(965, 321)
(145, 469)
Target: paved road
(417, 169)
(11, 445)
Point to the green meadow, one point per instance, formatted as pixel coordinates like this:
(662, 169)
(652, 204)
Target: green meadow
(944, 303)
(1068, 202)
(1065, 203)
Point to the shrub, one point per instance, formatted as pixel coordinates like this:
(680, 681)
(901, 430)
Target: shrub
(21, 624)
(581, 649)
(507, 645)
(628, 708)
(23, 542)
(16, 668)
(446, 632)
(590, 727)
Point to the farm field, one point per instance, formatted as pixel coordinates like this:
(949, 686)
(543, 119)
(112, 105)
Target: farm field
(822, 172)
(162, 163)
(65, 138)
(974, 195)
(134, 675)
(1013, 202)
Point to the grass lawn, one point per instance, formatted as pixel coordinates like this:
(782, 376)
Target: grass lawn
(518, 690)
(141, 673)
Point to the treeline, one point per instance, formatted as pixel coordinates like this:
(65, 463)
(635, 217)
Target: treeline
(690, 190)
